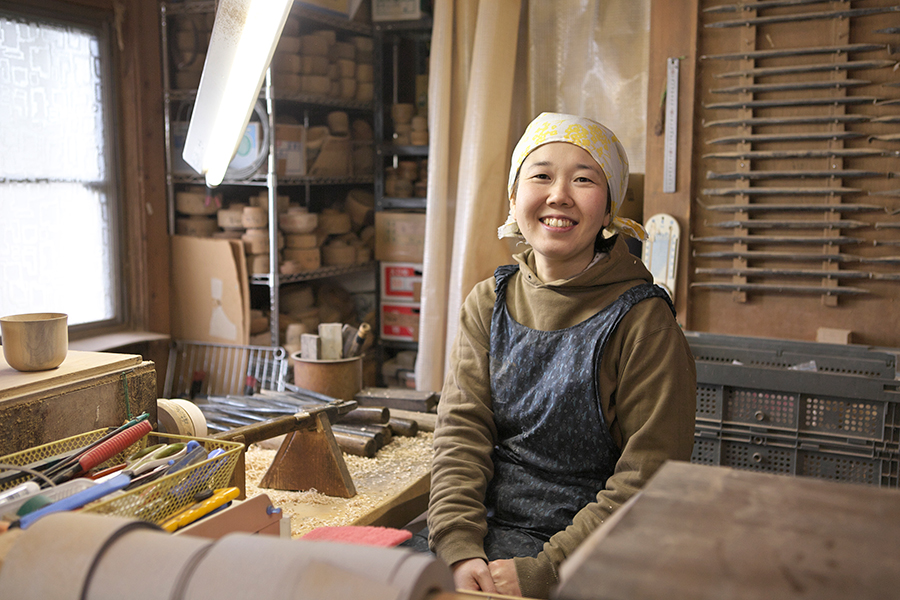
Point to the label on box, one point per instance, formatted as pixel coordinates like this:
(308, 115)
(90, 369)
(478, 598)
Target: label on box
(401, 281)
(396, 10)
(290, 151)
(400, 322)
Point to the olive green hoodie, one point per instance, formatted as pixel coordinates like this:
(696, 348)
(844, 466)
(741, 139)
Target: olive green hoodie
(647, 384)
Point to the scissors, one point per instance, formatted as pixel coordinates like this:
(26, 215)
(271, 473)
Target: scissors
(151, 457)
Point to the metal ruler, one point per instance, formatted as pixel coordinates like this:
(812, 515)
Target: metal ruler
(671, 131)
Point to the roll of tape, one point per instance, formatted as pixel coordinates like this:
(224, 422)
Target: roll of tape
(180, 417)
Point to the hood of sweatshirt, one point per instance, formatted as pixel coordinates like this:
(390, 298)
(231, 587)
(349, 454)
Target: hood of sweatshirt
(618, 266)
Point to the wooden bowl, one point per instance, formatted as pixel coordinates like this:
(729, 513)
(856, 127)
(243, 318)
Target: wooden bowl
(35, 341)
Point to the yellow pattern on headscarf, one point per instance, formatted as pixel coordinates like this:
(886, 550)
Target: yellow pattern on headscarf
(599, 141)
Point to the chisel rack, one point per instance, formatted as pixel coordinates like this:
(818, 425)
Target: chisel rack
(792, 202)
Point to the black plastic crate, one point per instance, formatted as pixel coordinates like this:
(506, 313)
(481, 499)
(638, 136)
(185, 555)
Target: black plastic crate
(793, 456)
(785, 407)
(843, 359)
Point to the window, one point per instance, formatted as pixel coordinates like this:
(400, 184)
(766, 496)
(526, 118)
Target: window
(58, 178)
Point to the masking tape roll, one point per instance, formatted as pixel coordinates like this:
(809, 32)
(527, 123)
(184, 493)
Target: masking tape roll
(180, 417)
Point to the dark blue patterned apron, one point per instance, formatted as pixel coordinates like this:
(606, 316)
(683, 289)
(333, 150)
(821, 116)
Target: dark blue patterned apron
(554, 451)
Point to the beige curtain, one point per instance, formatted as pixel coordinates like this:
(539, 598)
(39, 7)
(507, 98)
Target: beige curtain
(495, 65)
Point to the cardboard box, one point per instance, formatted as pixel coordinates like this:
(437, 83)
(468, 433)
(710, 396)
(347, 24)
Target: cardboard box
(290, 150)
(400, 321)
(400, 236)
(401, 282)
(210, 291)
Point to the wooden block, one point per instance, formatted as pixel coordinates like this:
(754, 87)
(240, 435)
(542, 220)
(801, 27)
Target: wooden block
(717, 532)
(826, 335)
(332, 338)
(310, 459)
(400, 398)
(310, 346)
(255, 515)
(67, 405)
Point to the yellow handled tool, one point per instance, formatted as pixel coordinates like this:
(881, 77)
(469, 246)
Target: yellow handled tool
(199, 509)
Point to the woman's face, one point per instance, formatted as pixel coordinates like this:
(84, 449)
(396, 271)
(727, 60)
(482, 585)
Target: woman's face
(560, 206)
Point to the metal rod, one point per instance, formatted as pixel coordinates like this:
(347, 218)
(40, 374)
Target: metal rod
(838, 208)
(758, 54)
(813, 16)
(756, 175)
(817, 68)
(759, 272)
(757, 88)
(796, 120)
(758, 239)
(765, 191)
(842, 100)
(823, 153)
(785, 256)
(788, 224)
(747, 6)
(787, 137)
(788, 289)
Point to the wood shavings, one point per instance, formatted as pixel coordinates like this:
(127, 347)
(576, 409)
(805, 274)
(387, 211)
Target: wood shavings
(397, 466)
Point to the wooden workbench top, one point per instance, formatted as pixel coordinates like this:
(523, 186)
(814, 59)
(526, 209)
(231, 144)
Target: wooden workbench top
(392, 488)
(76, 366)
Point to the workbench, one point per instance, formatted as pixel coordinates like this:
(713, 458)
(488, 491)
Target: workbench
(88, 391)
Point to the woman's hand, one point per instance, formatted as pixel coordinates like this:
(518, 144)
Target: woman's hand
(473, 574)
(503, 573)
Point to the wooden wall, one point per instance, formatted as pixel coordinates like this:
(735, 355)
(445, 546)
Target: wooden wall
(833, 268)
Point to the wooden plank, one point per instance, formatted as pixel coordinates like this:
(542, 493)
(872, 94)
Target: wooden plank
(81, 405)
(715, 532)
(77, 366)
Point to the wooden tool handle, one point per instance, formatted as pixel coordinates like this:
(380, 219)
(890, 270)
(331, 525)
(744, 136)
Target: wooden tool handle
(257, 432)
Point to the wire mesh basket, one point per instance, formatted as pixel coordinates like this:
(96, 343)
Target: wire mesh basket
(199, 369)
(154, 501)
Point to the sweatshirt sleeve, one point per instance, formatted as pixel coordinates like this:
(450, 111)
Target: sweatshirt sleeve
(648, 381)
(464, 437)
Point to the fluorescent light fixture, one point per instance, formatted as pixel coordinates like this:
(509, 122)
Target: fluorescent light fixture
(243, 41)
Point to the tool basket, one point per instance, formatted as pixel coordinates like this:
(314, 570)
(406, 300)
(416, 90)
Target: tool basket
(156, 500)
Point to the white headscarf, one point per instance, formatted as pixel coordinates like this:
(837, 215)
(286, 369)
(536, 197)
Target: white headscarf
(598, 141)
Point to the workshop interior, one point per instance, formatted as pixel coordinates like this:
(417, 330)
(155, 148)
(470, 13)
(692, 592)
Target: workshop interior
(236, 238)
